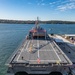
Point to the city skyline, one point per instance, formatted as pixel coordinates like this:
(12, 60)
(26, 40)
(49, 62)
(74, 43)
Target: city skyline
(44, 9)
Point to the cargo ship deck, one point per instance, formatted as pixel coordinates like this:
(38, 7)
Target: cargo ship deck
(38, 54)
(40, 51)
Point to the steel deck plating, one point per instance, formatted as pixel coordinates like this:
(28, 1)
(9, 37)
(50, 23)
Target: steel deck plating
(47, 51)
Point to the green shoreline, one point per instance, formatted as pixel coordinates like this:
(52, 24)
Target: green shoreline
(33, 22)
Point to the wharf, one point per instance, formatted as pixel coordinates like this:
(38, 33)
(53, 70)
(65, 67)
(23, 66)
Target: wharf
(66, 46)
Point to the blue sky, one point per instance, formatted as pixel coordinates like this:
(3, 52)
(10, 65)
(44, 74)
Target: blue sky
(44, 9)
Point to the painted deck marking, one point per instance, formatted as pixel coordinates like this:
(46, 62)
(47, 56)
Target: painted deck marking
(55, 52)
(21, 51)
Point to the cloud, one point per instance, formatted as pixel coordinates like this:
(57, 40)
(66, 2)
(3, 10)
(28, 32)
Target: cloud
(67, 6)
(52, 3)
(42, 3)
(71, 0)
(61, 5)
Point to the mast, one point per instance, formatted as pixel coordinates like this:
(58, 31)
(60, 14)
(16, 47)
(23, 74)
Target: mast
(37, 22)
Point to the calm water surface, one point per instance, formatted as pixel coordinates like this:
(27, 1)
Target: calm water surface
(11, 35)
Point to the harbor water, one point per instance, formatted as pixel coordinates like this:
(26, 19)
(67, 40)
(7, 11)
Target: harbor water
(11, 35)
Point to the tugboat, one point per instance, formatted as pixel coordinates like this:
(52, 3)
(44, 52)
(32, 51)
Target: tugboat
(39, 54)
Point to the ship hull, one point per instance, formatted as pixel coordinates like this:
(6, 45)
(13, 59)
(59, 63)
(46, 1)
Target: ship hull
(39, 70)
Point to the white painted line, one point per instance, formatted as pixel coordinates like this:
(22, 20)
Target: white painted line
(41, 60)
(55, 52)
(45, 60)
(21, 51)
(38, 54)
(27, 45)
(47, 50)
(38, 47)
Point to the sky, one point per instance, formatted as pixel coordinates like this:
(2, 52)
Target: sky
(44, 9)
